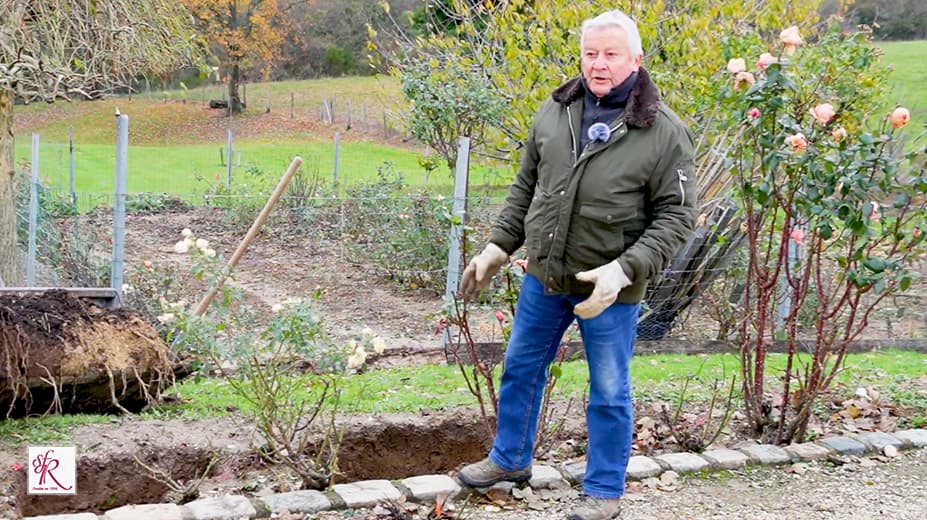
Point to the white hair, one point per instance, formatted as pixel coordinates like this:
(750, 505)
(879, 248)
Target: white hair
(615, 18)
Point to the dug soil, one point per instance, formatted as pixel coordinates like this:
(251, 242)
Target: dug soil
(62, 354)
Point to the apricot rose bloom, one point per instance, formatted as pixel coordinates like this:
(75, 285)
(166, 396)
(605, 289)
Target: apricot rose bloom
(839, 134)
(899, 117)
(798, 142)
(766, 59)
(743, 78)
(823, 113)
(791, 38)
(736, 65)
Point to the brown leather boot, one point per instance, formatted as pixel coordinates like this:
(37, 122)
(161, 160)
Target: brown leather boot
(594, 508)
(486, 473)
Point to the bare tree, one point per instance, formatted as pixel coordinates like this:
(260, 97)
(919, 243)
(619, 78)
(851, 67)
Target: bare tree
(77, 49)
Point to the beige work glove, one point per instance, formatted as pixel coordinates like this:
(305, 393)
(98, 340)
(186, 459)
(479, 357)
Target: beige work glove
(481, 269)
(609, 280)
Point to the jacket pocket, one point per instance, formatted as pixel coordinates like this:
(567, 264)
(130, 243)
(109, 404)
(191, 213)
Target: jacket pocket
(601, 232)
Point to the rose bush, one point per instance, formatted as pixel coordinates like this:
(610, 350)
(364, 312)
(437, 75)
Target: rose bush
(832, 203)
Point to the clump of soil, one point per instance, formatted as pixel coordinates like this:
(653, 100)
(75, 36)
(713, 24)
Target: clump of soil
(63, 354)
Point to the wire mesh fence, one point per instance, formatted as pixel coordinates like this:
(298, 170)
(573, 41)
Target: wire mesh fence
(398, 228)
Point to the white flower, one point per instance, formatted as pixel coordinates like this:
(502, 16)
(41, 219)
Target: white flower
(202, 243)
(367, 331)
(181, 247)
(357, 358)
(178, 305)
(209, 253)
(167, 317)
(379, 344)
(277, 307)
(126, 288)
(186, 232)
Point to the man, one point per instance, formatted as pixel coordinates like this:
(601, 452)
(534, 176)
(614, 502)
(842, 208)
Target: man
(603, 198)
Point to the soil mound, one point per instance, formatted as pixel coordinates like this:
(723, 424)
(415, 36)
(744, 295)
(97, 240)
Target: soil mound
(62, 354)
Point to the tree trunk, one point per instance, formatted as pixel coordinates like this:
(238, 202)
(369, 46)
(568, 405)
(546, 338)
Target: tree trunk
(9, 259)
(234, 98)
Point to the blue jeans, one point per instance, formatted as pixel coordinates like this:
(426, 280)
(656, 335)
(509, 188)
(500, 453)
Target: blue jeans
(608, 339)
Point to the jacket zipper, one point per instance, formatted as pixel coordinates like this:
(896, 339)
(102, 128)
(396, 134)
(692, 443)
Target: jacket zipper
(572, 134)
(682, 189)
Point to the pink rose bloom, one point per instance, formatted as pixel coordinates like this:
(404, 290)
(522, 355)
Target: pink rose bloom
(766, 59)
(899, 117)
(839, 134)
(736, 65)
(742, 78)
(442, 324)
(499, 316)
(875, 216)
(823, 113)
(798, 236)
(753, 113)
(798, 142)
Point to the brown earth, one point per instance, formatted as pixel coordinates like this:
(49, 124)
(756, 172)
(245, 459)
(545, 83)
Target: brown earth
(63, 354)
(287, 262)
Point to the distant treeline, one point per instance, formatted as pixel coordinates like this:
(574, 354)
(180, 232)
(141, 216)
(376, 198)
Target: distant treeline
(329, 38)
(890, 19)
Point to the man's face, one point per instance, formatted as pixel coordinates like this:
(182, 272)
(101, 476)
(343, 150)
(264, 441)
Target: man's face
(607, 60)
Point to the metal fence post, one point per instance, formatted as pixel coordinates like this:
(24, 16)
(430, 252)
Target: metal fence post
(456, 245)
(794, 254)
(228, 175)
(119, 204)
(33, 212)
(71, 169)
(335, 171)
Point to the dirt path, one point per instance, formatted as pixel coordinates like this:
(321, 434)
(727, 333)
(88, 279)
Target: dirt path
(285, 263)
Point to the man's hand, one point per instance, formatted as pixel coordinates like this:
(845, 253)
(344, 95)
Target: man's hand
(609, 280)
(481, 269)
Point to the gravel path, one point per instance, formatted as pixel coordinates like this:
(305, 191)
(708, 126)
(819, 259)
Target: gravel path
(868, 488)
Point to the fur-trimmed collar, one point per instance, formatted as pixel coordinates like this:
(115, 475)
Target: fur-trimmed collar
(643, 102)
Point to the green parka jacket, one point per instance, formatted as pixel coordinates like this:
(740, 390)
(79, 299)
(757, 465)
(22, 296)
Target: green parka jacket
(630, 198)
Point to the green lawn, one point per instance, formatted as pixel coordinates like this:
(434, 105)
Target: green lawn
(409, 389)
(191, 169)
(909, 77)
(897, 375)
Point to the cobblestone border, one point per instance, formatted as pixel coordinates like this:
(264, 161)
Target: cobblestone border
(426, 488)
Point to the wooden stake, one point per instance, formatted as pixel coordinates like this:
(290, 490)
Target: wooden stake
(249, 237)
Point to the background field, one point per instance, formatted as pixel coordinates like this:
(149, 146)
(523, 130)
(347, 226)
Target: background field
(909, 76)
(178, 143)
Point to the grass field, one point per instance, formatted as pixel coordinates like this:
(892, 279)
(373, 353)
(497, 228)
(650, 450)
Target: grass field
(191, 169)
(179, 148)
(909, 77)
